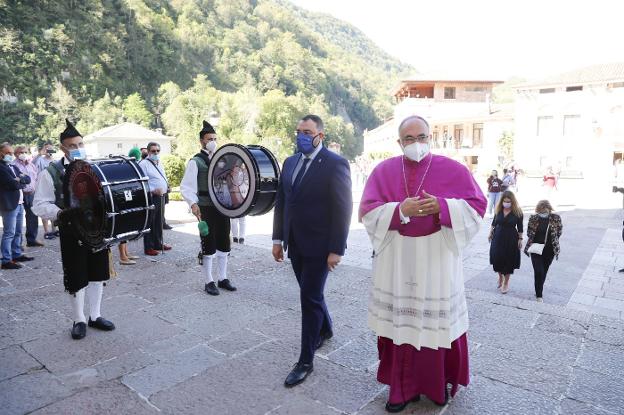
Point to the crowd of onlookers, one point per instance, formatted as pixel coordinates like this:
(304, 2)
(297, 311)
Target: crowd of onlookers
(19, 169)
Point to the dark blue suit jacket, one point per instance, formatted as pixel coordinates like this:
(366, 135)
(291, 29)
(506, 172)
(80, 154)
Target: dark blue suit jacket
(9, 187)
(318, 213)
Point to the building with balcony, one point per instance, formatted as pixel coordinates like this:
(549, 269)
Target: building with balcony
(574, 122)
(465, 125)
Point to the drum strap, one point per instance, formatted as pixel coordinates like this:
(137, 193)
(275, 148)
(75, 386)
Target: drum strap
(159, 172)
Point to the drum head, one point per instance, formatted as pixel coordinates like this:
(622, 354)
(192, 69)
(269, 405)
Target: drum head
(83, 190)
(243, 180)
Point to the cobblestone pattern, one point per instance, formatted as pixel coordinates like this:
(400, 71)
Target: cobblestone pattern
(178, 351)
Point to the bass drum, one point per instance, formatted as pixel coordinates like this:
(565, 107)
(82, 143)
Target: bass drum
(113, 197)
(242, 180)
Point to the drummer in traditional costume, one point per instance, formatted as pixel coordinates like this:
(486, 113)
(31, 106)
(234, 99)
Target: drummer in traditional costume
(420, 210)
(194, 190)
(84, 271)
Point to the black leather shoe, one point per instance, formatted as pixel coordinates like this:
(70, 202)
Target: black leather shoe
(235, 240)
(298, 374)
(11, 265)
(167, 227)
(101, 323)
(33, 244)
(79, 330)
(225, 284)
(23, 258)
(211, 288)
(446, 398)
(398, 407)
(241, 240)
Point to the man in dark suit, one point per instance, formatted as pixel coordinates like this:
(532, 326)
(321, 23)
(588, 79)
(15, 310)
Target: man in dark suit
(311, 221)
(12, 181)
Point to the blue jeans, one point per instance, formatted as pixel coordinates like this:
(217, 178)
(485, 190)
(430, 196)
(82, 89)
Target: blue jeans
(12, 222)
(493, 200)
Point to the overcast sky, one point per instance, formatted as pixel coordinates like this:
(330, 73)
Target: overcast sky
(528, 38)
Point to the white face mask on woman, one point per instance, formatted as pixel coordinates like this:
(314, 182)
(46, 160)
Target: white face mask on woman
(416, 151)
(507, 205)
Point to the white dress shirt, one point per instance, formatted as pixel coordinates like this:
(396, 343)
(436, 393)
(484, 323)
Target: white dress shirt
(44, 203)
(188, 185)
(156, 180)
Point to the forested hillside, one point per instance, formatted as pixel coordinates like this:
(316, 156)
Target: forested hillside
(255, 64)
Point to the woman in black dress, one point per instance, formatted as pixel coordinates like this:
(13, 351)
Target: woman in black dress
(543, 228)
(506, 239)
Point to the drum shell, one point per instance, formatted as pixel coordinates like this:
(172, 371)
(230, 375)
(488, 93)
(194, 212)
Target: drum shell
(263, 174)
(119, 211)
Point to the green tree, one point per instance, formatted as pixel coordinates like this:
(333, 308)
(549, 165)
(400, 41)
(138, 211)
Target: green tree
(174, 169)
(135, 110)
(104, 112)
(506, 146)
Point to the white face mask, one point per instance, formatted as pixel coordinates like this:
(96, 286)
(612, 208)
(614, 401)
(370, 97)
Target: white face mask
(506, 205)
(23, 157)
(416, 151)
(211, 146)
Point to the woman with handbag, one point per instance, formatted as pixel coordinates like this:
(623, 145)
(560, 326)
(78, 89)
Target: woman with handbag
(506, 239)
(543, 231)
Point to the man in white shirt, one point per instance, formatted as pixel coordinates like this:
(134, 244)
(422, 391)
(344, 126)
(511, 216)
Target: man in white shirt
(194, 189)
(83, 270)
(153, 241)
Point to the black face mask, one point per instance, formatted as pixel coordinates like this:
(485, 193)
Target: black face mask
(143, 156)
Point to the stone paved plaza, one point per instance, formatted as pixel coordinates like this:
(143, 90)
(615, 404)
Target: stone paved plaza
(177, 350)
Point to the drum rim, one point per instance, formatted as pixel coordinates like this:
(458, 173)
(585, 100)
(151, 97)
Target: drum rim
(248, 204)
(106, 192)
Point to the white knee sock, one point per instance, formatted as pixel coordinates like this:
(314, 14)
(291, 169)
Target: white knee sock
(95, 291)
(77, 301)
(208, 268)
(222, 260)
(241, 227)
(234, 226)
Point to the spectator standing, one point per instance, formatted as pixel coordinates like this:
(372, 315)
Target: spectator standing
(23, 163)
(153, 241)
(11, 209)
(508, 180)
(494, 190)
(545, 228)
(42, 161)
(506, 239)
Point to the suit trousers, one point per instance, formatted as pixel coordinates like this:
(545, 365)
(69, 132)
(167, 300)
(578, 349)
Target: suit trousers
(311, 273)
(153, 239)
(32, 221)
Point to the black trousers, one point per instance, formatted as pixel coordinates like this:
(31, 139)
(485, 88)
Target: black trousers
(153, 239)
(80, 264)
(541, 264)
(311, 273)
(32, 221)
(218, 237)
